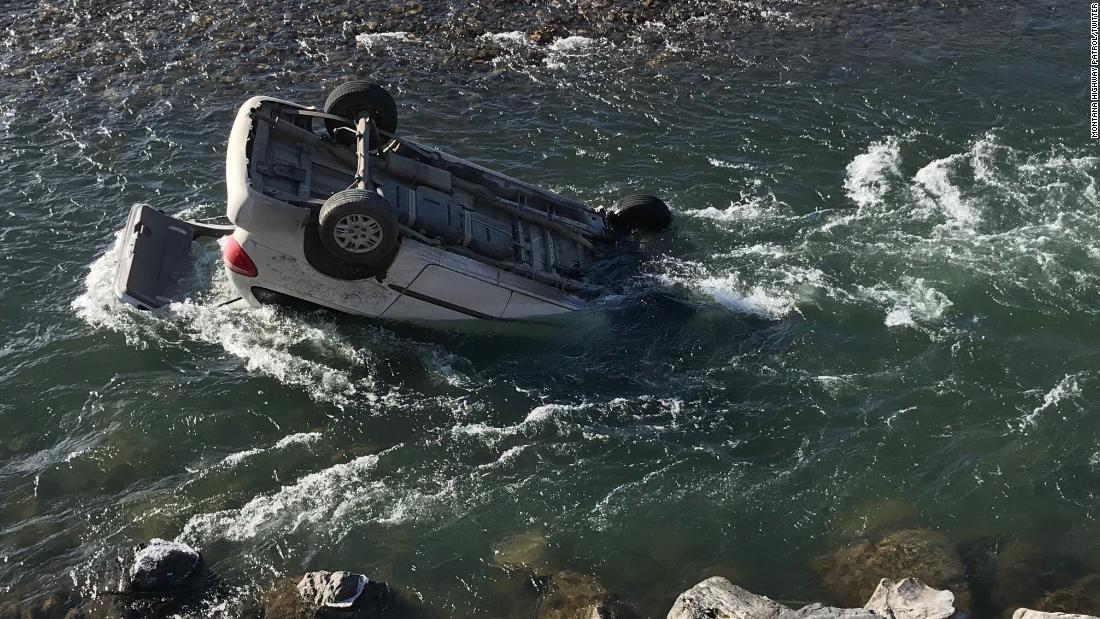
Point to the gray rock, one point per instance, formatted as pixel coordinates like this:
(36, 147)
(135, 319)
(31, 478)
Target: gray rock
(324, 595)
(851, 574)
(911, 599)
(718, 598)
(332, 589)
(161, 565)
(1027, 613)
(819, 611)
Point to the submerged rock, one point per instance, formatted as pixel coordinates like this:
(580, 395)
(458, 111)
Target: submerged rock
(52, 606)
(851, 574)
(570, 595)
(877, 516)
(1082, 596)
(1021, 569)
(521, 551)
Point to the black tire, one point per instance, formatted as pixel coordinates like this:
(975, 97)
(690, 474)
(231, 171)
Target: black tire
(639, 213)
(358, 227)
(353, 98)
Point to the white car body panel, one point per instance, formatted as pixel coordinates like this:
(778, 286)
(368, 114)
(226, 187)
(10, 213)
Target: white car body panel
(424, 282)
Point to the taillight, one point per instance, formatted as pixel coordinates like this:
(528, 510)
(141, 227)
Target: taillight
(237, 260)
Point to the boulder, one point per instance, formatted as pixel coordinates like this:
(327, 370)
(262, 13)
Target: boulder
(718, 598)
(163, 566)
(1021, 569)
(910, 599)
(332, 589)
(852, 574)
(1027, 613)
(820, 611)
(52, 606)
(1082, 596)
(570, 595)
(320, 595)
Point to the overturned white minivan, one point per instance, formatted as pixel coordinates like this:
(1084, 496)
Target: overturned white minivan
(332, 209)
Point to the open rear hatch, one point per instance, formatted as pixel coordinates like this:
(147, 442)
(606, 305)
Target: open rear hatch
(155, 254)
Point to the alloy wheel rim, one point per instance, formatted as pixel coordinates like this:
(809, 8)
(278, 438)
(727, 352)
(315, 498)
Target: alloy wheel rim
(358, 233)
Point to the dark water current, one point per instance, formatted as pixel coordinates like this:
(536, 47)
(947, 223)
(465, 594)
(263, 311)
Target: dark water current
(877, 308)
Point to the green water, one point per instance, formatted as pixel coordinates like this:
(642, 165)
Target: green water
(877, 308)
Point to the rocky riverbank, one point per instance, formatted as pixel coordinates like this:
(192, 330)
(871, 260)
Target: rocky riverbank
(908, 573)
(369, 37)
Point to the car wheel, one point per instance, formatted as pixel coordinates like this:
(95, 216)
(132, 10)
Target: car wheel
(639, 213)
(356, 97)
(357, 226)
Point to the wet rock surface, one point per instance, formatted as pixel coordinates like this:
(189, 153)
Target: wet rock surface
(1083, 596)
(51, 606)
(336, 589)
(1009, 576)
(850, 575)
(162, 565)
(521, 551)
(334, 595)
(569, 595)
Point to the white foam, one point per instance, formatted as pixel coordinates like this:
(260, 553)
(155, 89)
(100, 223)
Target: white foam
(312, 498)
(747, 207)
(98, 306)
(267, 341)
(301, 438)
(370, 40)
(734, 212)
(730, 292)
(505, 457)
(730, 165)
(914, 304)
(546, 412)
(934, 188)
(567, 48)
(263, 338)
(900, 316)
(870, 174)
(1066, 389)
(511, 39)
(538, 416)
(572, 43)
(236, 458)
(833, 385)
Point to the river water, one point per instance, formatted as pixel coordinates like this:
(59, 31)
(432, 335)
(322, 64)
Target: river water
(877, 307)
